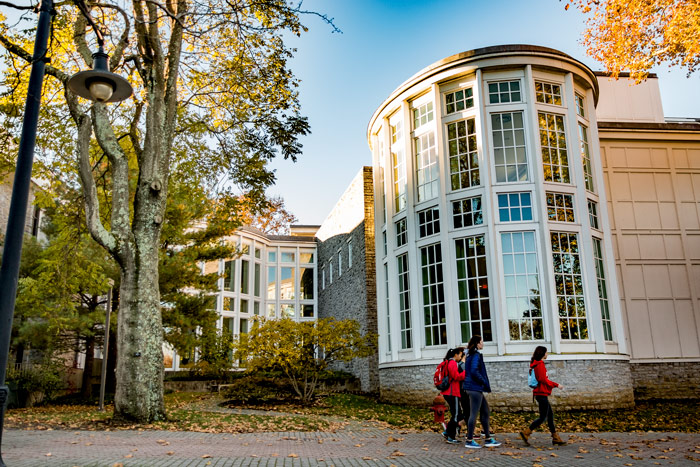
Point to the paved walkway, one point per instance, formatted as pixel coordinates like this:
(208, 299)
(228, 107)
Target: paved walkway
(366, 446)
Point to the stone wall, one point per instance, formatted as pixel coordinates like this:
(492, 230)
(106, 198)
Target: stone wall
(347, 298)
(589, 384)
(666, 380)
(352, 294)
(5, 197)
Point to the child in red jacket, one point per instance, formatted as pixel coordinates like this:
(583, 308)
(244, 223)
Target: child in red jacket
(541, 394)
(452, 394)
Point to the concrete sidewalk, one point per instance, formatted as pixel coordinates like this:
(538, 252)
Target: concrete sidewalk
(365, 447)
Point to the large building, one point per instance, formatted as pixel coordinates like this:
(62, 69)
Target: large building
(523, 197)
(516, 194)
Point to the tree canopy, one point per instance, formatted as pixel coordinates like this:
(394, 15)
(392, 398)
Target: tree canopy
(214, 100)
(636, 35)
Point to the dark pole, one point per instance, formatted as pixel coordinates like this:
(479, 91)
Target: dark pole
(105, 353)
(12, 250)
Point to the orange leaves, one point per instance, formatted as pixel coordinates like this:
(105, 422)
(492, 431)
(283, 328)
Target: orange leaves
(635, 35)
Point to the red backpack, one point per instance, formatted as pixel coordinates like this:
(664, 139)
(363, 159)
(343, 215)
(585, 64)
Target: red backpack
(441, 378)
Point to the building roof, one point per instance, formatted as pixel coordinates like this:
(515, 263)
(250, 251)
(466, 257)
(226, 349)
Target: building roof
(495, 51)
(290, 238)
(652, 126)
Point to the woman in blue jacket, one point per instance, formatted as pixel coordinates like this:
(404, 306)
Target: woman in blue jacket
(476, 383)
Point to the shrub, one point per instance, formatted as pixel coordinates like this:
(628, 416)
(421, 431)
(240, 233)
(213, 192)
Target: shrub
(46, 378)
(259, 389)
(303, 350)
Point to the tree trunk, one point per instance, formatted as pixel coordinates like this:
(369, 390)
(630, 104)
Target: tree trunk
(86, 389)
(139, 392)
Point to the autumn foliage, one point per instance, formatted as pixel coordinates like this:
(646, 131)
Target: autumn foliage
(636, 35)
(303, 350)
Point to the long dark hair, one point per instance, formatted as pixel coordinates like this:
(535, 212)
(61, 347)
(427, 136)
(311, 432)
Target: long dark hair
(473, 342)
(538, 354)
(452, 352)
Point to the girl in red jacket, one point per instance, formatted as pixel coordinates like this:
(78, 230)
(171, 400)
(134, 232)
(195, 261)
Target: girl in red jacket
(452, 394)
(542, 393)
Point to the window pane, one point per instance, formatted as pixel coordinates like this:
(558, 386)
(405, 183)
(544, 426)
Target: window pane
(509, 139)
(287, 257)
(287, 284)
(404, 301)
(287, 311)
(504, 92)
(256, 290)
(458, 100)
(433, 295)
(569, 286)
(271, 282)
(307, 311)
(522, 291)
(229, 275)
(553, 141)
(472, 284)
(464, 168)
(245, 264)
(306, 283)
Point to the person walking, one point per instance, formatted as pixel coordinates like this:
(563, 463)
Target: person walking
(452, 394)
(541, 393)
(464, 400)
(476, 383)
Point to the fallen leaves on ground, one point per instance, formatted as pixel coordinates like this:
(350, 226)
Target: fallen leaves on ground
(187, 412)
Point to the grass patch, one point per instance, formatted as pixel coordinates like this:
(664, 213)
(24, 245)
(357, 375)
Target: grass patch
(357, 407)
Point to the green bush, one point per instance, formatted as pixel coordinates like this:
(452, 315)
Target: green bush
(259, 389)
(46, 378)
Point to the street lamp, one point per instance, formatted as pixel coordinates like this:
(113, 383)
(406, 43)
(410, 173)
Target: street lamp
(100, 85)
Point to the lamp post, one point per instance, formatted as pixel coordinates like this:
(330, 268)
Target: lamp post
(105, 347)
(99, 82)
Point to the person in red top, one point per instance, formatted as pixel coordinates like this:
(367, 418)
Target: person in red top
(452, 394)
(541, 393)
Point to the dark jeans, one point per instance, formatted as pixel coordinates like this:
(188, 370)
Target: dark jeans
(464, 401)
(545, 414)
(478, 404)
(453, 404)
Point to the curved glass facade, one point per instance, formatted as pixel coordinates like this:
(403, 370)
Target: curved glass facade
(490, 220)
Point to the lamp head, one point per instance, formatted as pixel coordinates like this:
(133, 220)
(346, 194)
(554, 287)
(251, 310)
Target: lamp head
(99, 84)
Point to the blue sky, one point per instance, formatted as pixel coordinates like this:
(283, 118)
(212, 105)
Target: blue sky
(345, 77)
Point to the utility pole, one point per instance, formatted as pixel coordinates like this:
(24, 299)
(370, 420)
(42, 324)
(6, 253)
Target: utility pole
(14, 236)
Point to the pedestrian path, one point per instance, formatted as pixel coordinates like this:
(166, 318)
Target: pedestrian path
(367, 446)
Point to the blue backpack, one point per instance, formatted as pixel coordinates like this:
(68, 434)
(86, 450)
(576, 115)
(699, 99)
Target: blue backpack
(532, 380)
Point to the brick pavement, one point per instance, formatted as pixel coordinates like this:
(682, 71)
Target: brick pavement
(364, 447)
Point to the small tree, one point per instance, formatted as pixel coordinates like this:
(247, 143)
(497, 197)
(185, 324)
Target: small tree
(303, 350)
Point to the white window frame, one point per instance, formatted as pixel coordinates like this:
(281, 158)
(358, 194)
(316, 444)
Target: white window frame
(502, 134)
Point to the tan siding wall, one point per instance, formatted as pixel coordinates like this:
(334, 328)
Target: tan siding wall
(653, 190)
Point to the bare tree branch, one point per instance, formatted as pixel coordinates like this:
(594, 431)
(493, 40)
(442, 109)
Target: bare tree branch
(23, 54)
(18, 7)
